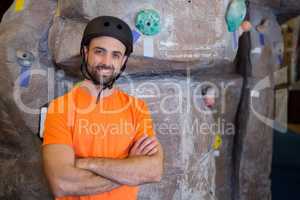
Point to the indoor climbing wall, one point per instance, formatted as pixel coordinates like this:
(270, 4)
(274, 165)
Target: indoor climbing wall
(197, 139)
(171, 36)
(24, 66)
(264, 48)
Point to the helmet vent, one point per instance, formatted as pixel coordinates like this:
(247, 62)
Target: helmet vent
(119, 26)
(106, 24)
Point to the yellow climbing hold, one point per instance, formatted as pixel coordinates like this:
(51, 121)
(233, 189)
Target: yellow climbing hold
(217, 142)
(19, 5)
(57, 11)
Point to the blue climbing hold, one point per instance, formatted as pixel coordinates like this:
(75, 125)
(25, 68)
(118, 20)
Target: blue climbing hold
(236, 14)
(148, 22)
(25, 76)
(136, 35)
(25, 59)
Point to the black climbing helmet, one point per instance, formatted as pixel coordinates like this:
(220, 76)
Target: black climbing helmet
(108, 26)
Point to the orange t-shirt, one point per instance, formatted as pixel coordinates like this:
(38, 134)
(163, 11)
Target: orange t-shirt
(106, 130)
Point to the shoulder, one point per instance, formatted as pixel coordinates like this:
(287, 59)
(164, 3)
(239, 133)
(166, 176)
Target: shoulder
(62, 101)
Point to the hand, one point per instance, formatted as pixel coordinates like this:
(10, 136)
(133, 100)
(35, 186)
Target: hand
(210, 97)
(209, 101)
(145, 146)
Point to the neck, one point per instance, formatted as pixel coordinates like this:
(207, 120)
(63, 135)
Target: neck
(95, 89)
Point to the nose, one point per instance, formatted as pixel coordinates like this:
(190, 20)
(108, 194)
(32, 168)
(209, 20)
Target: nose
(107, 59)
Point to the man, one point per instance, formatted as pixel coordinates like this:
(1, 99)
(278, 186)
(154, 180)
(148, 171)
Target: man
(98, 141)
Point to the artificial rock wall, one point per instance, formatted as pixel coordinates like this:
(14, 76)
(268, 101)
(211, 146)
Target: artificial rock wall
(192, 169)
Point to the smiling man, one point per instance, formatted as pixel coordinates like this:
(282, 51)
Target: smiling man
(99, 142)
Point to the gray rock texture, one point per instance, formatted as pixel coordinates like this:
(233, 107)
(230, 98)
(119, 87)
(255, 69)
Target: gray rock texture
(187, 129)
(22, 39)
(255, 121)
(190, 30)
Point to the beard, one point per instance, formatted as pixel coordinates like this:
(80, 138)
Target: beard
(102, 74)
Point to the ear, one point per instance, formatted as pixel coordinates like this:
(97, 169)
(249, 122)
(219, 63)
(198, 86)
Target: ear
(124, 60)
(85, 51)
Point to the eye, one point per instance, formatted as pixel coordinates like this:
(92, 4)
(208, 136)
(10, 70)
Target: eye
(99, 51)
(116, 56)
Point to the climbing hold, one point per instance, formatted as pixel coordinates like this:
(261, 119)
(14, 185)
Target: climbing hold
(25, 60)
(256, 50)
(209, 97)
(254, 93)
(261, 39)
(278, 46)
(136, 35)
(24, 76)
(217, 142)
(148, 22)
(246, 26)
(60, 74)
(235, 14)
(263, 26)
(19, 5)
(279, 59)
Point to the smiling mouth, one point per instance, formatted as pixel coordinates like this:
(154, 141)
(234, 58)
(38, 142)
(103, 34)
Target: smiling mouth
(105, 70)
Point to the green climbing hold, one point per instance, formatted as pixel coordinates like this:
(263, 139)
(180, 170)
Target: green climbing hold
(235, 14)
(148, 22)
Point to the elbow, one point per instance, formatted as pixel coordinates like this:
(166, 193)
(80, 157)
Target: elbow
(57, 192)
(58, 189)
(151, 178)
(155, 179)
(158, 176)
(158, 173)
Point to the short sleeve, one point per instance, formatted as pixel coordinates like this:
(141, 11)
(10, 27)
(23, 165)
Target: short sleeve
(144, 122)
(57, 124)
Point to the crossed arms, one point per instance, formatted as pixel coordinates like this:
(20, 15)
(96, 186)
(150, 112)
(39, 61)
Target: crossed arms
(71, 176)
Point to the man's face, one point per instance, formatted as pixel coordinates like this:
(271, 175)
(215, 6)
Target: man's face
(105, 56)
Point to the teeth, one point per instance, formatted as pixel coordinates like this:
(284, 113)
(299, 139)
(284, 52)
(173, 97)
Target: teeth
(105, 71)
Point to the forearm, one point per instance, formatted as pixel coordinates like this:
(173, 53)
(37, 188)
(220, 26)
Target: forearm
(130, 171)
(73, 181)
